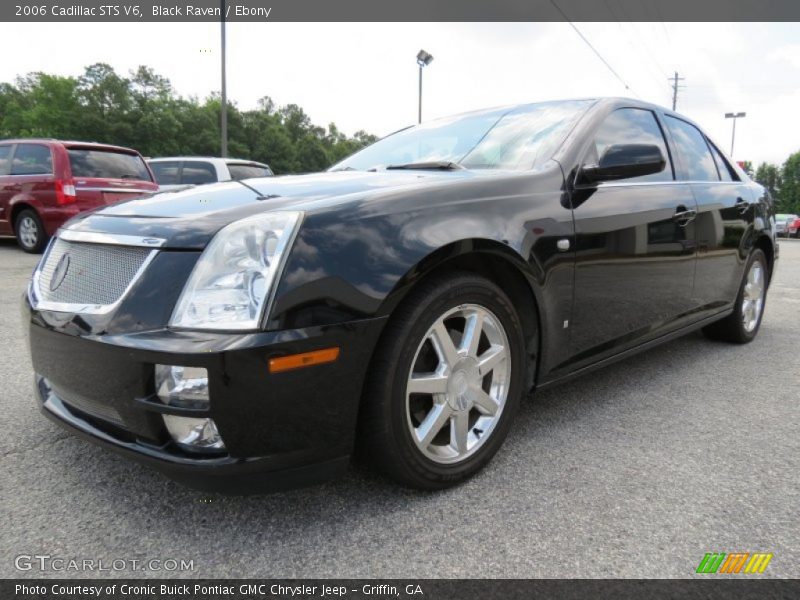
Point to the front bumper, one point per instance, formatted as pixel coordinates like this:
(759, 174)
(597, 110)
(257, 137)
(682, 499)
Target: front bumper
(280, 430)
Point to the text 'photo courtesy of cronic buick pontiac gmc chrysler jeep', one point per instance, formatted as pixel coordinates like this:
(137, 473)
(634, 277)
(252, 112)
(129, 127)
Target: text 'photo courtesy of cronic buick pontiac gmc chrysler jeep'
(254, 335)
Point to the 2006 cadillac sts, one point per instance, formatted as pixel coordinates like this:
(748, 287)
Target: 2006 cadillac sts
(255, 335)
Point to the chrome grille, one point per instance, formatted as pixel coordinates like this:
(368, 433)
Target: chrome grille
(96, 274)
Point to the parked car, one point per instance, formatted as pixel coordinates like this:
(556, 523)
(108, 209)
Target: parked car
(793, 228)
(400, 305)
(174, 172)
(784, 225)
(43, 183)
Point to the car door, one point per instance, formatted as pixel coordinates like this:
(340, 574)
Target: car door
(6, 192)
(32, 177)
(635, 247)
(725, 212)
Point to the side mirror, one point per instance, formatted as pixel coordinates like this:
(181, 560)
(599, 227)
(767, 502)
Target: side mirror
(622, 161)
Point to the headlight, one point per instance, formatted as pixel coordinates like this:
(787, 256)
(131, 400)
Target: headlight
(234, 277)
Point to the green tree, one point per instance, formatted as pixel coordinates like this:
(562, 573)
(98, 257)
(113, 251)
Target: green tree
(42, 106)
(144, 112)
(769, 176)
(790, 185)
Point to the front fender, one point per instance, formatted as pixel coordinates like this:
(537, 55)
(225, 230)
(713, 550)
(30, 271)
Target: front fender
(358, 260)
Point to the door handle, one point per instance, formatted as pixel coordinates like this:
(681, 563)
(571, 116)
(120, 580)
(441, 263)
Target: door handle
(683, 216)
(742, 205)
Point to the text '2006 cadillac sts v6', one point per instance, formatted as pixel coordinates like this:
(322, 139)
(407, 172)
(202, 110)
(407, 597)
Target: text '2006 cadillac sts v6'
(256, 335)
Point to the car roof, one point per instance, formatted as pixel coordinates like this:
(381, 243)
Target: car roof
(614, 100)
(217, 158)
(70, 144)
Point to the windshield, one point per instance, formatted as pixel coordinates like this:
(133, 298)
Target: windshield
(510, 138)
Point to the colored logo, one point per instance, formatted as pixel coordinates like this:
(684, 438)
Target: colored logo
(735, 562)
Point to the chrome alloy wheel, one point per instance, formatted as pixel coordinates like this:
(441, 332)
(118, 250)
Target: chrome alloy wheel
(28, 232)
(753, 296)
(458, 384)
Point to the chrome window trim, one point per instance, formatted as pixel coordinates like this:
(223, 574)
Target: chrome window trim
(93, 237)
(86, 309)
(650, 183)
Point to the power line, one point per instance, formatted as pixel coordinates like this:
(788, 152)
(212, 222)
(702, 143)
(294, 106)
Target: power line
(629, 39)
(588, 43)
(629, 23)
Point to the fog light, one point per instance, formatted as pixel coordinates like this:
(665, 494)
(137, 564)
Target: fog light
(182, 387)
(194, 434)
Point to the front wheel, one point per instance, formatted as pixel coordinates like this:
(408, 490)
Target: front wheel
(743, 324)
(445, 383)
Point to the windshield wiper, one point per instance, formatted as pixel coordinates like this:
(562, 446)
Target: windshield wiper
(435, 165)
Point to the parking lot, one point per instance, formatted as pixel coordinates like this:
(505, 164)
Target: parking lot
(634, 471)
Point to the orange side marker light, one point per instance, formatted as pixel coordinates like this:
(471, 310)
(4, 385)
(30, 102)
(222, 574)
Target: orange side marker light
(306, 359)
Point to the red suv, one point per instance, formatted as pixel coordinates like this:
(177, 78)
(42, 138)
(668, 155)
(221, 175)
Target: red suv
(45, 182)
(793, 228)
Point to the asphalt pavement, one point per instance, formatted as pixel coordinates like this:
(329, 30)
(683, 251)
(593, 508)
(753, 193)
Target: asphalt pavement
(637, 470)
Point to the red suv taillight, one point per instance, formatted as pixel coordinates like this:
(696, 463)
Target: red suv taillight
(65, 192)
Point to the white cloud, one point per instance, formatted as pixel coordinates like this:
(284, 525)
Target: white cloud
(789, 53)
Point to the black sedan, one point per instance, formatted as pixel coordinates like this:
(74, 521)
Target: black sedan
(256, 335)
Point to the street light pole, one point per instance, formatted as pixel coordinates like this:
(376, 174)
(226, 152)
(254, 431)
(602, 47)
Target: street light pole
(423, 60)
(223, 117)
(734, 116)
(419, 114)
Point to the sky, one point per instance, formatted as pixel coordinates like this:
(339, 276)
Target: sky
(364, 75)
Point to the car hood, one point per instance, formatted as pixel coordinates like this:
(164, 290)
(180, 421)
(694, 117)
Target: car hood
(189, 218)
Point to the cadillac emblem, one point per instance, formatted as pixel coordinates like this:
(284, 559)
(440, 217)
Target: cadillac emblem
(60, 273)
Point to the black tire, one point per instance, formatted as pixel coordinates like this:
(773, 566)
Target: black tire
(732, 328)
(385, 438)
(28, 221)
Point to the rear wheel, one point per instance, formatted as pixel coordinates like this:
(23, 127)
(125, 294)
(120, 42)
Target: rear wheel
(742, 325)
(445, 383)
(30, 232)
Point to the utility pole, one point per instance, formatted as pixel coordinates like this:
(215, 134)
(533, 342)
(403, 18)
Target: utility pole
(223, 117)
(675, 87)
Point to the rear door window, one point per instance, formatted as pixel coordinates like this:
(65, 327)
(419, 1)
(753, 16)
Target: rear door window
(695, 154)
(167, 172)
(244, 171)
(32, 159)
(198, 172)
(5, 163)
(107, 164)
(726, 172)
